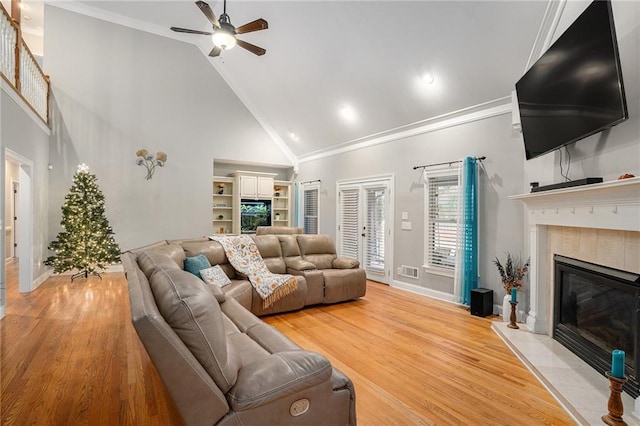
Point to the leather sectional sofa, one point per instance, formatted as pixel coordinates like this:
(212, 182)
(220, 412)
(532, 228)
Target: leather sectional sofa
(219, 362)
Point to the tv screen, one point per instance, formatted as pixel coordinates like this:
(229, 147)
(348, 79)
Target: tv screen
(575, 89)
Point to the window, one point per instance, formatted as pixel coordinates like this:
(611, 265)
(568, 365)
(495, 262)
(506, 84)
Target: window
(310, 208)
(441, 223)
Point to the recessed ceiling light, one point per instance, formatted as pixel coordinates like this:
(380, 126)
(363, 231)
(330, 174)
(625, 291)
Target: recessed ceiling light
(293, 136)
(428, 77)
(348, 113)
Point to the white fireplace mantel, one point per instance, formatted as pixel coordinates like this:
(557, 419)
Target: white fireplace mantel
(607, 205)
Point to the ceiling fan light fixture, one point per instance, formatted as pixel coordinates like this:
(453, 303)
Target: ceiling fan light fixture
(224, 36)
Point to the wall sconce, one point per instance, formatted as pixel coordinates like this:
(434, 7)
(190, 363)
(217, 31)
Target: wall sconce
(146, 159)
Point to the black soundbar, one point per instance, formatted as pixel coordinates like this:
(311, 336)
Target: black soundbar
(579, 182)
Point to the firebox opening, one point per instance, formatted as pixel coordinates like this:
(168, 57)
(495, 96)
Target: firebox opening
(595, 312)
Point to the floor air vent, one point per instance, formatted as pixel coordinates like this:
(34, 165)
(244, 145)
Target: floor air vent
(408, 271)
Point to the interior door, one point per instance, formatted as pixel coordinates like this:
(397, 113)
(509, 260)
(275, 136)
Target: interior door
(364, 225)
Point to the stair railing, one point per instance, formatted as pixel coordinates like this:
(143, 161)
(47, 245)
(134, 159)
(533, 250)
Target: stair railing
(19, 68)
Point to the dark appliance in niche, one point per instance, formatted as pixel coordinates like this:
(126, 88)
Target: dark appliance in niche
(595, 312)
(254, 213)
(575, 89)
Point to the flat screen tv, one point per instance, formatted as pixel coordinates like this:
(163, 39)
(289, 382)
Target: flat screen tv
(575, 89)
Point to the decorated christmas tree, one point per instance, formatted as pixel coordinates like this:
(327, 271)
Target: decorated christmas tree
(86, 243)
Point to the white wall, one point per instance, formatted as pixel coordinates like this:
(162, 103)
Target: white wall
(501, 220)
(116, 90)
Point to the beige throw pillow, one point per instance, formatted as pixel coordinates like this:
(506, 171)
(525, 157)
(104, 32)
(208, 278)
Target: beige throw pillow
(215, 276)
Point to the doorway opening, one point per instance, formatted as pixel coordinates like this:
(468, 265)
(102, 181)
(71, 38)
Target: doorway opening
(18, 214)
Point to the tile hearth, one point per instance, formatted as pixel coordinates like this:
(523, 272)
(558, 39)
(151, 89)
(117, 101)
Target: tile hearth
(576, 385)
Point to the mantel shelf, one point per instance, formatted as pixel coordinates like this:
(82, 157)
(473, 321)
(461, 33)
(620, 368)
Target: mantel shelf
(606, 205)
(622, 191)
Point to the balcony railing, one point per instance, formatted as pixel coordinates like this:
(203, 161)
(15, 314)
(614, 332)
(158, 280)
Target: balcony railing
(20, 69)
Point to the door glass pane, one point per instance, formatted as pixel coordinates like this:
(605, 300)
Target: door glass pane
(349, 223)
(374, 232)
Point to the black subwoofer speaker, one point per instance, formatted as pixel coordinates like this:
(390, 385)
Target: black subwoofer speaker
(481, 302)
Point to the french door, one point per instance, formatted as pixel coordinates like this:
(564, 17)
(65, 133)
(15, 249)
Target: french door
(365, 224)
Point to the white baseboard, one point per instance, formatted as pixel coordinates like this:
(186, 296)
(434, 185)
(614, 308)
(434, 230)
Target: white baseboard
(434, 294)
(42, 278)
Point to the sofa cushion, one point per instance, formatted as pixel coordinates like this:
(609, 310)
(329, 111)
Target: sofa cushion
(317, 249)
(215, 276)
(293, 301)
(191, 310)
(275, 377)
(196, 264)
(241, 291)
(149, 261)
(291, 254)
(289, 245)
(271, 252)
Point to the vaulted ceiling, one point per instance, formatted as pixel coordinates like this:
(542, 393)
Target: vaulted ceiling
(369, 56)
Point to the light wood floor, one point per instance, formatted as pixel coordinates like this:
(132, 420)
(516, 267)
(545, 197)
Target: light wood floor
(70, 355)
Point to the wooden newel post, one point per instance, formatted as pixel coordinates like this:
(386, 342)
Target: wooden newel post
(615, 407)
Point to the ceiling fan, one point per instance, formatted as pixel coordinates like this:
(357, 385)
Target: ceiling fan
(224, 34)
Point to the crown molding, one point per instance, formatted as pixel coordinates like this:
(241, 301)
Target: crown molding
(547, 29)
(470, 114)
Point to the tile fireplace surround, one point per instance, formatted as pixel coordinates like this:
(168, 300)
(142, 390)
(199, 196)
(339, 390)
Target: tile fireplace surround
(597, 223)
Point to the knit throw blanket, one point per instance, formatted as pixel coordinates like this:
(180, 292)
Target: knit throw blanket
(244, 256)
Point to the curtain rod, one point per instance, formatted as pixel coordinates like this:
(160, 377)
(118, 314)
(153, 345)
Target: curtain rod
(310, 181)
(447, 162)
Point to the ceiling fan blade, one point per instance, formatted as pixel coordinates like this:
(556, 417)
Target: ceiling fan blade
(215, 51)
(188, 31)
(204, 7)
(257, 25)
(251, 47)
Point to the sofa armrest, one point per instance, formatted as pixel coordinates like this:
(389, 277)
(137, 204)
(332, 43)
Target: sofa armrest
(300, 265)
(345, 263)
(280, 374)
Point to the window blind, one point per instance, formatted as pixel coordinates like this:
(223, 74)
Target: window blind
(310, 210)
(349, 222)
(374, 243)
(442, 221)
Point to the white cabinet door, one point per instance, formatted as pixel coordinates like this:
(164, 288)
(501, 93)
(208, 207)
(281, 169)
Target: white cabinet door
(265, 187)
(248, 186)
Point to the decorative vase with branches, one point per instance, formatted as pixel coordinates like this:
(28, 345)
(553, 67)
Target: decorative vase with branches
(512, 272)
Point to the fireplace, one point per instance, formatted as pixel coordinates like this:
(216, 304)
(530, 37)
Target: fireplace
(595, 312)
